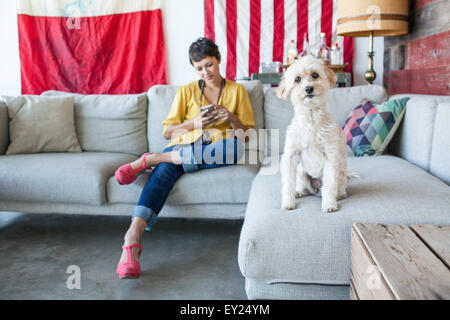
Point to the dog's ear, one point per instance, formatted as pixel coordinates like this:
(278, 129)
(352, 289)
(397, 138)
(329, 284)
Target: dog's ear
(282, 91)
(332, 78)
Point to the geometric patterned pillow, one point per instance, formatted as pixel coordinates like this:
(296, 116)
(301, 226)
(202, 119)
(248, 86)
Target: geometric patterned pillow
(370, 127)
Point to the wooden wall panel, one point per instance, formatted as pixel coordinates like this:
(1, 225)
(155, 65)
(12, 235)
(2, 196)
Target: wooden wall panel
(419, 62)
(429, 52)
(419, 81)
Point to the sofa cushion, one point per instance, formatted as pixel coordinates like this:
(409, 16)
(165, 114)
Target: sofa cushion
(226, 185)
(160, 101)
(78, 178)
(160, 98)
(440, 149)
(414, 139)
(4, 128)
(110, 123)
(278, 113)
(306, 245)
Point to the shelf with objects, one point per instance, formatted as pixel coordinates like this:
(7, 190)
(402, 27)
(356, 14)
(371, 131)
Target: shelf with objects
(270, 73)
(273, 78)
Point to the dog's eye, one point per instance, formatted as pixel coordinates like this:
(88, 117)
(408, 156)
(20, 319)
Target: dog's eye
(298, 80)
(315, 75)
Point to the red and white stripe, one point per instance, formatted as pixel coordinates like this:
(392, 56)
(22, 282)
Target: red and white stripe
(91, 46)
(250, 31)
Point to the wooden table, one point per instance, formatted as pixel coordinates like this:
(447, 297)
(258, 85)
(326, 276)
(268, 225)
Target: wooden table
(399, 262)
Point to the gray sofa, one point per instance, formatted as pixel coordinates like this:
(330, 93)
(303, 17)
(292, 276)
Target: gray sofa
(303, 254)
(114, 130)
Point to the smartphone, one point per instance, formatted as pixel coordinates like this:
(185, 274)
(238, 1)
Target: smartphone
(210, 108)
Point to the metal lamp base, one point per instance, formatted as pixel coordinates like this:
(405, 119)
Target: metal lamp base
(370, 74)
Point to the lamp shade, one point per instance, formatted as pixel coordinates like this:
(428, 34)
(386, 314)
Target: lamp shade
(358, 18)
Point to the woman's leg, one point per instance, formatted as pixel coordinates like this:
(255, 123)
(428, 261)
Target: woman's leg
(133, 236)
(154, 159)
(223, 153)
(170, 165)
(152, 197)
(155, 192)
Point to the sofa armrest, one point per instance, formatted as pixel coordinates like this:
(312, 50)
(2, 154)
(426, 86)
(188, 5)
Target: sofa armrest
(4, 128)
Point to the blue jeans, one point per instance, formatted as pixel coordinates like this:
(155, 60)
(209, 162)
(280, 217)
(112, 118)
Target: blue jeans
(194, 157)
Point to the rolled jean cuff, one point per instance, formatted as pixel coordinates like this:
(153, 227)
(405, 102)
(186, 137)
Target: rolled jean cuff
(188, 160)
(146, 214)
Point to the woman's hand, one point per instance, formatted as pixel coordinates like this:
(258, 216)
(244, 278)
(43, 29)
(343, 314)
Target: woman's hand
(224, 114)
(200, 122)
(205, 119)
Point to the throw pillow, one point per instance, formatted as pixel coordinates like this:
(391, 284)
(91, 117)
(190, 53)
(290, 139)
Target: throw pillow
(41, 124)
(370, 127)
(110, 123)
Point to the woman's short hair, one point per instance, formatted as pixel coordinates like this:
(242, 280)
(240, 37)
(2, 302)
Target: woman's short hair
(202, 48)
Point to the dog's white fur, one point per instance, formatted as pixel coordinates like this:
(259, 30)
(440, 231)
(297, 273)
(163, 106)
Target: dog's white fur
(314, 159)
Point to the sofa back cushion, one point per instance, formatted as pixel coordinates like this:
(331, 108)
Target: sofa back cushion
(160, 100)
(424, 135)
(110, 123)
(340, 102)
(4, 128)
(440, 149)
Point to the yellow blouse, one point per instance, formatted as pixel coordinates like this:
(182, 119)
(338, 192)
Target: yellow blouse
(186, 106)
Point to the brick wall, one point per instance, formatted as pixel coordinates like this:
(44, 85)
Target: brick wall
(419, 62)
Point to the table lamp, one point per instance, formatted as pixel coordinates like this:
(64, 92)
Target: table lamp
(372, 18)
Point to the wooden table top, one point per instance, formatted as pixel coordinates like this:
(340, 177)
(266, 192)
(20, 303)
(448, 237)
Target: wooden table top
(414, 261)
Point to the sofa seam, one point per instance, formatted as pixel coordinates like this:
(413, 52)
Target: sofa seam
(247, 257)
(308, 282)
(432, 136)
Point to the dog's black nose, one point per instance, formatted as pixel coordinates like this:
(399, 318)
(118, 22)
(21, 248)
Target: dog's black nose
(309, 90)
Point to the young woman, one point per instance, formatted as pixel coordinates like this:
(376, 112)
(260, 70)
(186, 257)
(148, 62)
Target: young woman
(218, 132)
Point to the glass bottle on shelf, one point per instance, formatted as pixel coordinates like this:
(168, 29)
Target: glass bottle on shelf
(323, 51)
(291, 53)
(305, 50)
(335, 55)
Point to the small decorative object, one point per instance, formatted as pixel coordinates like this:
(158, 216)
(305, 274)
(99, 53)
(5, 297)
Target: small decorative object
(291, 54)
(372, 18)
(370, 127)
(323, 51)
(335, 55)
(270, 67)
(305, 50)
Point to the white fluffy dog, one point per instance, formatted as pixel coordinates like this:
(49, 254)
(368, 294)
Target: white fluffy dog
(314, 159)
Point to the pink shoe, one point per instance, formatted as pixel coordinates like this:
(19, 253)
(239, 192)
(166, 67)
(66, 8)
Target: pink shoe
(130, 268)
(126, 175)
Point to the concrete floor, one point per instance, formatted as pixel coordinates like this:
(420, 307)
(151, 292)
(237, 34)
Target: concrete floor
(182, 259)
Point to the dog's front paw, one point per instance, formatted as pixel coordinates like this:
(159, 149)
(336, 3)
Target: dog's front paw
(288, 205)
(329, 207)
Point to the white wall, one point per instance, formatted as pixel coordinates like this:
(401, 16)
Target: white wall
(9, 49)
(183, 24)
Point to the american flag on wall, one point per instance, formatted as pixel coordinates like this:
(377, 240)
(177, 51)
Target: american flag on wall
(91, 46)
(250, 31)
